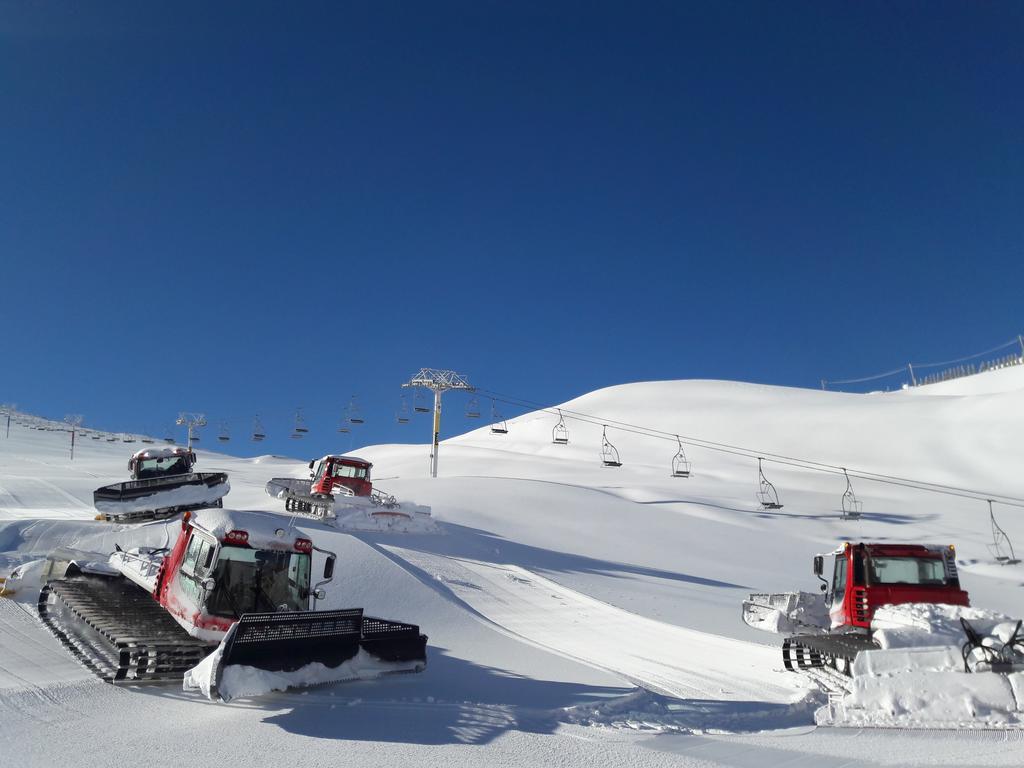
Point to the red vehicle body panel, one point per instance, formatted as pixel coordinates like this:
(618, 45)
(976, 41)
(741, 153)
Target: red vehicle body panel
(326, 482)
(860, 597)
(170, 570)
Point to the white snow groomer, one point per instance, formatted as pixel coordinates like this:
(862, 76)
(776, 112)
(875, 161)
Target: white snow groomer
(162, 485)
(235, 586)
(339, 489)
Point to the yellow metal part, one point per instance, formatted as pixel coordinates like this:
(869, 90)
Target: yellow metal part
(4, 591)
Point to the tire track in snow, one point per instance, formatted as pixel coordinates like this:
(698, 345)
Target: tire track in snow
(664, 658)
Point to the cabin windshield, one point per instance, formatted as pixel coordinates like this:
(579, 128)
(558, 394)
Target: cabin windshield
(346, 470)
(164, 465)
(907, 570)
(258, 581)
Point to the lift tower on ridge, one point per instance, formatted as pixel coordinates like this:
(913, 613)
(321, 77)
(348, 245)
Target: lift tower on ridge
(440, 382)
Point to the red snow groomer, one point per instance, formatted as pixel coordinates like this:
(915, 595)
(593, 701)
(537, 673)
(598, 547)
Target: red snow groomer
(330, 479)
(162, 485)
(243, 578)
(835, 624)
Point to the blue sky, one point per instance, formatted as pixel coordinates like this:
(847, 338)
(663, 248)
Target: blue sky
(245, 207)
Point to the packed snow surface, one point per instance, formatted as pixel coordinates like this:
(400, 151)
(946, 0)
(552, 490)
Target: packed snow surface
(577, 614)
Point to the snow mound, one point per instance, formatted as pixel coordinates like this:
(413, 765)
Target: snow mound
(932, 624)
(917, 678)
(928, 699)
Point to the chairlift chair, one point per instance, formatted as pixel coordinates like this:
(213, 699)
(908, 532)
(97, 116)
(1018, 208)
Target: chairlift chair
(767, 496)
(609, 453)
(680, 464)
(224, 435)
(354, 415)
(402, 414)
(473, 408)
(418, 404)
(999, 539)
(560, 433)
(300, 428)
(851, 505)
(258, 435)
(498, 425)
(127, 438)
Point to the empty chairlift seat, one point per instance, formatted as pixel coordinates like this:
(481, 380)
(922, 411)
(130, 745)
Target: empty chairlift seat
(680, 464)
(609, 453)
(498, 425)
(560, 433)
(767, 496)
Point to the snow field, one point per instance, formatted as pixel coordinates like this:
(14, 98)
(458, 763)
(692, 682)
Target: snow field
(560, 596)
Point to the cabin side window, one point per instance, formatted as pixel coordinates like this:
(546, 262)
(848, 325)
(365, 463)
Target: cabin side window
(839, 580)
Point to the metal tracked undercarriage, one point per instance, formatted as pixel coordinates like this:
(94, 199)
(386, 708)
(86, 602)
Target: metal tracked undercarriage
(805, 652)
(123, 635)
(298, 497)
(117, 630)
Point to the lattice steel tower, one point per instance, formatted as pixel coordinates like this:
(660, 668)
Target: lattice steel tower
(440, 382)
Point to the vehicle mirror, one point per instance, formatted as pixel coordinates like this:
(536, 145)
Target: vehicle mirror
(320, 594)
(819, 565)
(310, 464)
(209, 583)
(329, 568)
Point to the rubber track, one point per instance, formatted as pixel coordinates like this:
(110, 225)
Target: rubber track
(118, 631)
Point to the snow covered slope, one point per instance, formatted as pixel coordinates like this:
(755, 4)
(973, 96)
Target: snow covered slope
(557, 586)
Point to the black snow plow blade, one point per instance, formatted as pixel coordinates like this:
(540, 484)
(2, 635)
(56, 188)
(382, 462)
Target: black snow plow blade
(158, 498)
(288, 642)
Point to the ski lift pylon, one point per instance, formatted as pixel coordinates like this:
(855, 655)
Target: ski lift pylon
(609, 453)
(767, 496)
(851, 505)
(680, 464)
(560, 433)
(498, 425)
